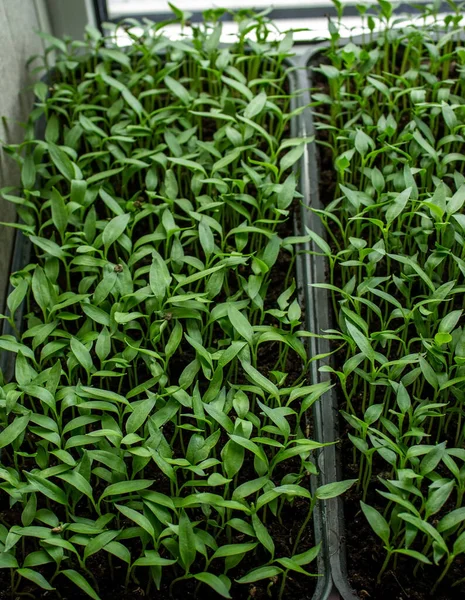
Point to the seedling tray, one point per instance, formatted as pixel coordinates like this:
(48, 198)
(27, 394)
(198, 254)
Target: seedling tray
(326, 517)
(326, 415)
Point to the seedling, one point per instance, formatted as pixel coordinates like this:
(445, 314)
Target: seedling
(158, 409)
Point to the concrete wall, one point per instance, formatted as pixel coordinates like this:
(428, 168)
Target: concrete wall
(19, 19)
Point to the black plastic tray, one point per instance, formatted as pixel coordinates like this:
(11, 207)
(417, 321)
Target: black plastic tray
(19, 259)
(301, 126)
(326, 417)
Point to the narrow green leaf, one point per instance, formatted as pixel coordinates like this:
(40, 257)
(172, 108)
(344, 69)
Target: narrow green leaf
(13, 431)
(187, 547)
(81, 582)
(377, 522)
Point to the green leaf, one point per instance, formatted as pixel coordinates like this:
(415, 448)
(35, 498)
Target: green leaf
(82, 354)
(242, 89)
(413, 265)
(36, 578)
(259, 574)
(249, 445)
(126, 487)
(258, 379)
(398, 205)
(414, 554)
(459, 545)
(139, 415)
(93, 392)
(174, 340)
(114, 229)
(153, 559)
(226, 160)
(291, 157)
(377, 522)
(35, 559)
(79, 482)
(48, 246)
(127, 95)
(8, 561)
(425, 145)
(332, 490)
(61, 161)
(137, 517)
(403, 398)
(13, 431)
(103, 344)
(216, 479)
(59, 212)
(206, 238)
(133, 102)
(234, 549)
(47, 488)
(448, 323)
(319, 241)
(178, 90)
(290, 564)
(425, 528)
(449, 115)
(308, 556)
(361, 341)
(16, 297)
(437, 498)
(28, 172)
(160, 278)
(189, 164)
(215, 583)
(429, 373)
(96, 314)
(452, 519)
(81, 582)
(456, 202)
(255, 106)
(116, 56)
(40, 288)
(363, 142)
(78, 191)
(98, 542)
(442, 338)
(187, 548)
(286, 196)
(240, 323)
(104, 175)
(432, 458)
(262, 534)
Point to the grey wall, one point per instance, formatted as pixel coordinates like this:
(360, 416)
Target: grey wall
(19, 19)
(69, 17)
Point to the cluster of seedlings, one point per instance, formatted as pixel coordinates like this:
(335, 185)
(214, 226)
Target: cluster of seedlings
(390, 111)
(154, 435)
